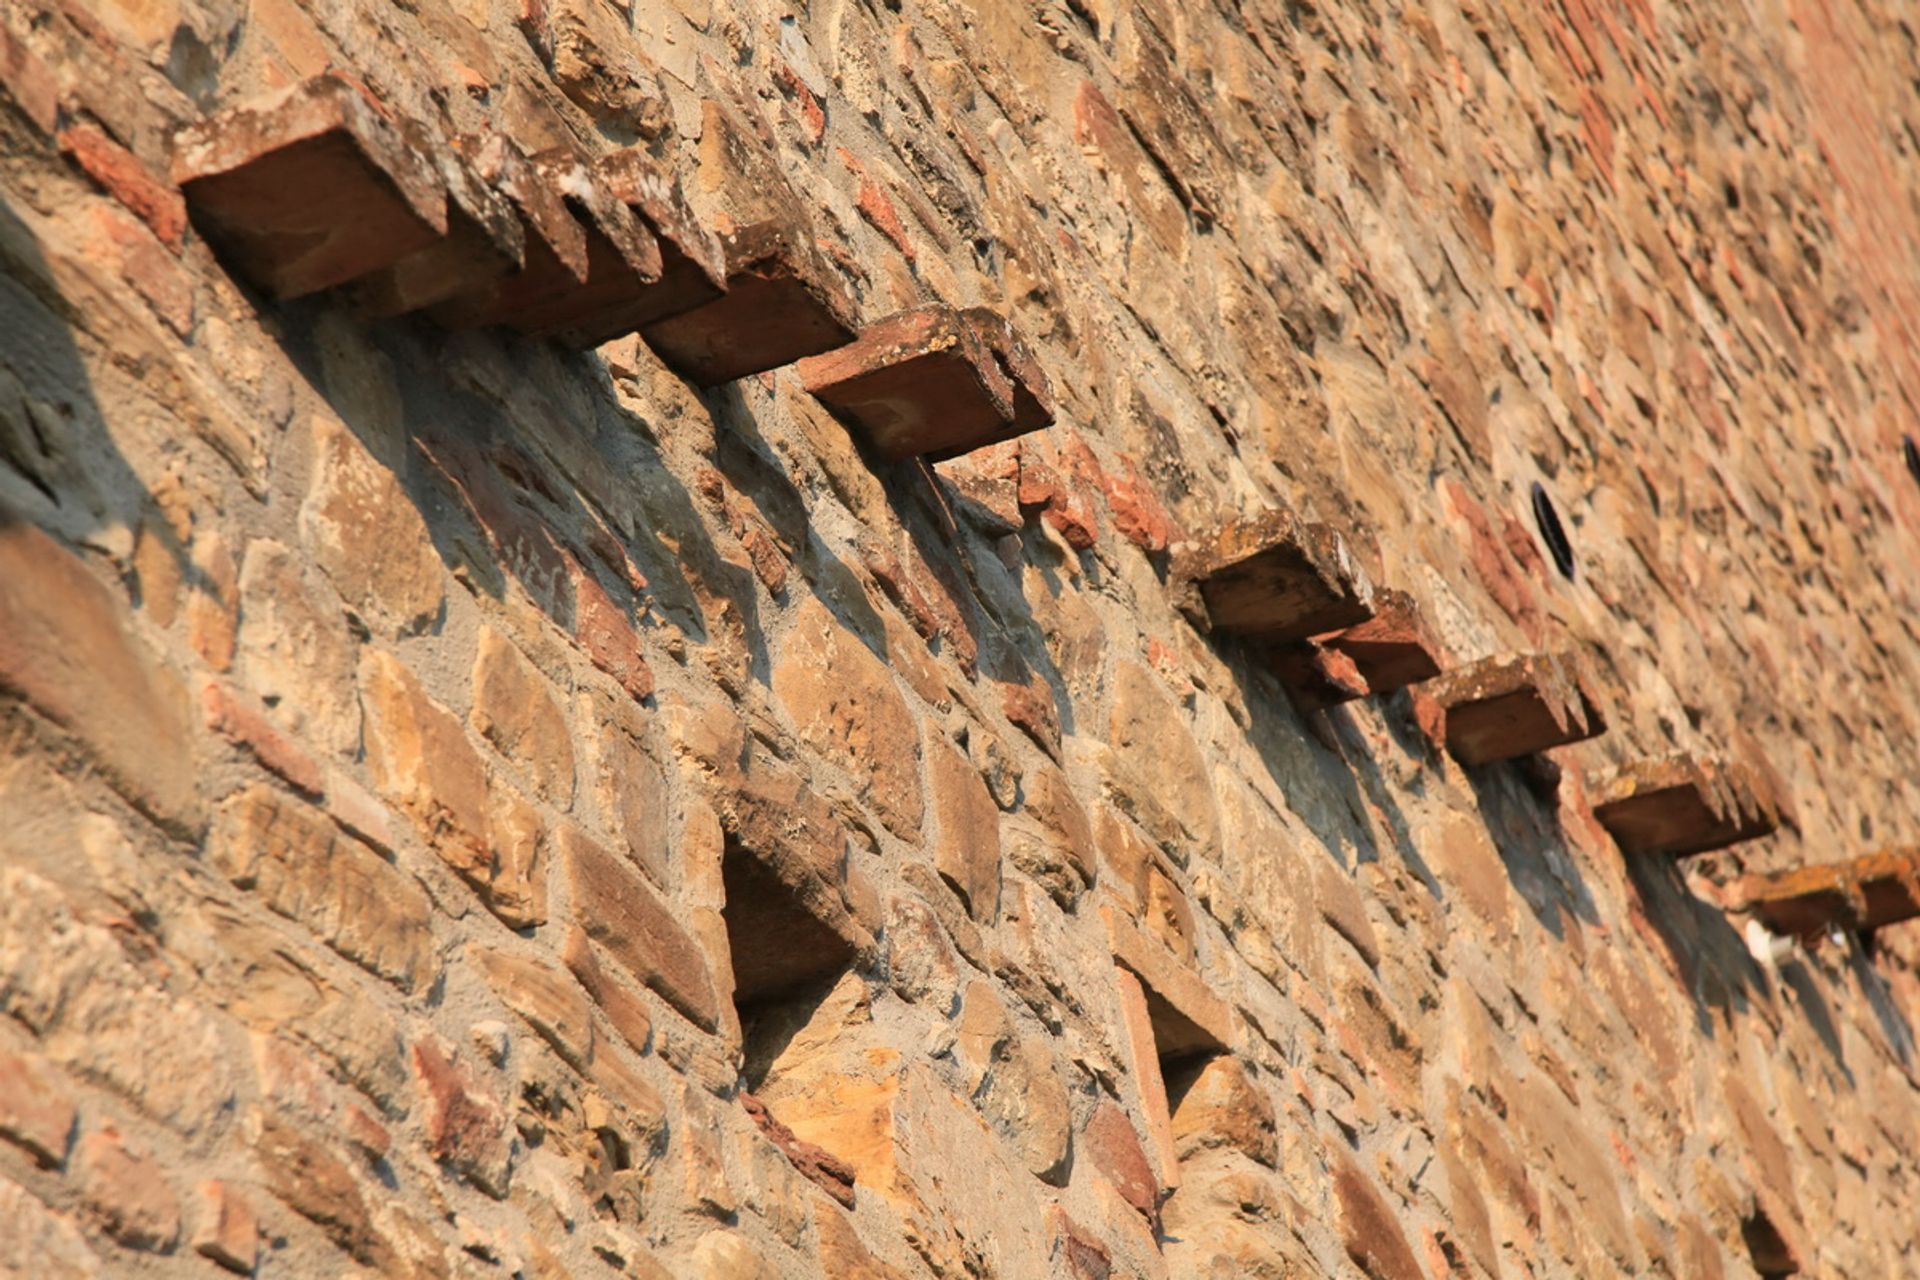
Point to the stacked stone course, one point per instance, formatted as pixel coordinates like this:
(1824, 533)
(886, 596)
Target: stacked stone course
(689, 638)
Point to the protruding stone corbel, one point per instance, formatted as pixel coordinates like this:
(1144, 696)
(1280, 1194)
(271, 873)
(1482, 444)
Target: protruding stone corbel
(1276, 578)
(309, 189)
(693, 264)
(1503, 707)
(933, 383)
(1395, 647)
(1868, 892)
(1681, 805)
(781, 304)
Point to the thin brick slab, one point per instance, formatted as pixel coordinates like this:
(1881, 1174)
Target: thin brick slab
(308, 189)
(623, 262)
(1317, 676)
(485, 241)
(1395, 647)
(1868, 892)
(933, 383)
(1680, 805)
(1504, 707)
(1275, 577)
(693, 264)
(781, 304)
(554, 260)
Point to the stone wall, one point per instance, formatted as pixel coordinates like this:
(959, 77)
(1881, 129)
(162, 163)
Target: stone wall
(472, 806)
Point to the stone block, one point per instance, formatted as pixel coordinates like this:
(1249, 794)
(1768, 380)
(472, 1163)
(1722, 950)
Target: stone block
(36, 1109)
(933, 383)
(967, 843)
(465, 1125)
(781, 304)
(693, 264)
(227, 1233)
(621, 912)
(1508, 706)
(311, 872)
(1681, 805)
(1275, 577)
(1316, 676)
(1369, 1228)
(1395, 647)
(308, 189)
(1216, 1105)
(515, 710)
(1110, 1142)
(1187, 1016)
(128, 1189)
(67, 648)
(368, 536)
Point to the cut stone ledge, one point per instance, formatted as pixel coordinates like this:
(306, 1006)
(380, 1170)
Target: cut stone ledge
(781, 304)
(933, 383)
(1680, 805)
(1869, 892)
(1395, 647)
(1277, 578)
(1504, 707)
(308, 189)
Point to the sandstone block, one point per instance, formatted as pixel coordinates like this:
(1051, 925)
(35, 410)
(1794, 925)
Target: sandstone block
(781, 303)
(1218, 1105)
(68, 649)
(1015, 1082)
(484, 241)
(36, 1109)
(1111, 1143)
(1275, 577)
(967, 846)
(846, 706)
(933, 383)
(621, 912)
(514, 709)
(553, 262)
(1680, 805)
(1163, 780)
(553, 1004)
(1867, 892)
(321, 1187)
(1503, 707)
(1369, 1227)
(308, 189)
(227, 1231)
(128, 1190)
(244, 723)
(368, 537)
(422, 762)
(1187, 1016)
(296, 653)
(623, 261)
(307, 870)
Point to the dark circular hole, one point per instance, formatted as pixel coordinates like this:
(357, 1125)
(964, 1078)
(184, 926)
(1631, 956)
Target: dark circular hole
(1912, 452)
(1552, 532)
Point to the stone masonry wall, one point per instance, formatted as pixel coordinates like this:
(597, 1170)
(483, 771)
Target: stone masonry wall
(475, 807)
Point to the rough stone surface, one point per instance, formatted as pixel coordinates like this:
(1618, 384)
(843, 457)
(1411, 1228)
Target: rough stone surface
(445, 766)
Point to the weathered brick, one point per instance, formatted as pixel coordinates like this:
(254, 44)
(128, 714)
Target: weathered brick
(321, 1187)
(309, 188)
(1371, 1231)
(68, 648)
(309, 871)
(1513, 705)
(1395, 647)
(122, 176)
(621, 912)
(1113, 1147)
(1680, 805)
(1276, 577)
(243, 722)
(465, 1125)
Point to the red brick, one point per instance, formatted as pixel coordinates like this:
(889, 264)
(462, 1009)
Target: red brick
(121, 175)
(1113, 1146)
(608, 638)
(1395, 647)
(308, 189)
(933, 383)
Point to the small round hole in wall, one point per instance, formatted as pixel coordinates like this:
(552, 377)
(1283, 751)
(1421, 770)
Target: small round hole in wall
(1911, 448)
(1552, 532)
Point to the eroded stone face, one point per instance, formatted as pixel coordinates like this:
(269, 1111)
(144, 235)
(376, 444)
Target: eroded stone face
(473, 801)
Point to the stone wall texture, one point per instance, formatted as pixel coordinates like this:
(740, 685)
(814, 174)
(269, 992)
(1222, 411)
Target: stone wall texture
(478, 803)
